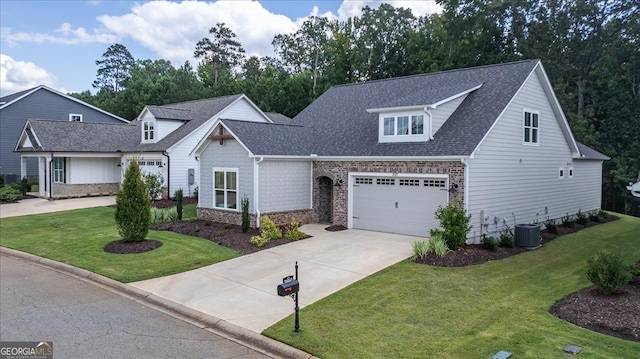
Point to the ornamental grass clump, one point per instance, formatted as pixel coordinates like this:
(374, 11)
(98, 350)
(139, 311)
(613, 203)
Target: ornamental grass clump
(133, 207)
(608, 272)
(164, 214)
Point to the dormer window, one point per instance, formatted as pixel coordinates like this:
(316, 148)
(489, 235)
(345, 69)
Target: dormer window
(402, 127)
(75, 117)
(148, 131)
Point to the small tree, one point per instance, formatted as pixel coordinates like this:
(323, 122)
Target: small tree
(25, 186)
(155, 185)
(456, 223)
(245, 214)
(133, 207)
(179, 205)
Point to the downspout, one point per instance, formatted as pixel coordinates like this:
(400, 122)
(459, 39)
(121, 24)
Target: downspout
(168, 174)
(465, 194)
(51, 177)
(256, 189)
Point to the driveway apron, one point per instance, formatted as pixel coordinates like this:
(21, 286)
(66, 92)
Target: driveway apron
(242, 290)
(30, 206)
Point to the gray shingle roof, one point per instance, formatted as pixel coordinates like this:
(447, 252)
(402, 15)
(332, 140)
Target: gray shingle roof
(589, 153)
(199, 112)
(166, 112)
(8, 98)
(278, 117)
(70, 136)
(343, 127)
(271, 138)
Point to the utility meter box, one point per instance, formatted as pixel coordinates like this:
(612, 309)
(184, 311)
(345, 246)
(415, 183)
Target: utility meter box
(192, 176)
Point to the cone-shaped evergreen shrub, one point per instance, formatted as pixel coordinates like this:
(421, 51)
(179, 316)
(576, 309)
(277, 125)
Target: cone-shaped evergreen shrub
(179, 205)
(133, 212)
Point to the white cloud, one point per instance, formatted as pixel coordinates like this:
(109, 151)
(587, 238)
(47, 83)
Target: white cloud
(172, 30)
(20, 75)
(65, 35)
(350, 8)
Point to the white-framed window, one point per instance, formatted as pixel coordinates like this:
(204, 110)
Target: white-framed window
(570, 172)
(225, 188)
(405, 125)
(148, 130)
(531, 125)
(58, 170)
(75, 117)
(386, 181)
(364, 180)
(561, 173)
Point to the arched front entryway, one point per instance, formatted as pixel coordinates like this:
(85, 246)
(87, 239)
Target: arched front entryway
(325, 200)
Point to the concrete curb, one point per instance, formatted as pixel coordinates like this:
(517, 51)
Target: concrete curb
(228, 330)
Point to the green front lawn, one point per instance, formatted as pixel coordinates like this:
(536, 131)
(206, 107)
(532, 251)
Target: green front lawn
(78, 237)
(417, 311)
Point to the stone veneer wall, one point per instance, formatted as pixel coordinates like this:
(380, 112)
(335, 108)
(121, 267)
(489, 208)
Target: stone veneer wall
(65, 189)
(339, 170)
(302, 216)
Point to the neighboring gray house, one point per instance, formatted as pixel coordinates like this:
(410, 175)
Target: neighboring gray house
(39, 102)
(92, 158)
(383, 155)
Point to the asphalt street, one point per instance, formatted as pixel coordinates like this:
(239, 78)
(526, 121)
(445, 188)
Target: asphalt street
(87, 321)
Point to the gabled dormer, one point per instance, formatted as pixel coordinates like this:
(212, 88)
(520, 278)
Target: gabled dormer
(416, 123)
(156, 124)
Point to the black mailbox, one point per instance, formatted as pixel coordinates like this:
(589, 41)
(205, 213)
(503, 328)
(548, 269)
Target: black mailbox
(288, 288)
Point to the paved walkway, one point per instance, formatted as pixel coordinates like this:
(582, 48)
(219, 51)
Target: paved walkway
(42, 205)
(242, 291)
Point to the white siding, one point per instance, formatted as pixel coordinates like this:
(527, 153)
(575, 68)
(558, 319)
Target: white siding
(92, 170)
(521, 183)
(229, 155)
(165, 127)
(243, 111)
(441, 113)
(284, 185)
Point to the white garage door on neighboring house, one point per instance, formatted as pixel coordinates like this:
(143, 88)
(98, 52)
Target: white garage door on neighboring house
(154, 166)
(404, 205)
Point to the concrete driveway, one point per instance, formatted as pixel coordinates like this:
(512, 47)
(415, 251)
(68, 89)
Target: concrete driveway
(242, 291)
(42, 205)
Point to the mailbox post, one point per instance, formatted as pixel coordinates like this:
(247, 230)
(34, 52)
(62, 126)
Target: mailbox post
(291, 287)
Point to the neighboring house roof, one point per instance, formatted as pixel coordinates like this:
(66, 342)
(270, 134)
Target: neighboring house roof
(272, 139)
(69, 136)
(200, 111)
(343, 127)
(13, 98)
(588, 153)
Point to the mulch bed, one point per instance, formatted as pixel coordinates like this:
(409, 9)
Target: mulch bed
(617, 315)
(121, 247)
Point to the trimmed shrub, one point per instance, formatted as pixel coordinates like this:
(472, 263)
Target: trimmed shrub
(269, 230)
(581, 218)
(258, 241)
(551, 226)
(608, 272)
(593, 216)
(489, 243)
(179, 204)
(420, 249)
(245, 214)
(9, 194)
(293, 232)
(154, 184)
(456, 223)
(1, 180)
(507, 240)
(567, 221)
(227, 226)
(602, 214)
(133, 207)
(25, 186)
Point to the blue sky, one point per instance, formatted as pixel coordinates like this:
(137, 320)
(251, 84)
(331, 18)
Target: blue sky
(56, 43)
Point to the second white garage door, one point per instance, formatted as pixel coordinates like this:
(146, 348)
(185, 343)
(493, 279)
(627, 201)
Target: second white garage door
(397, 204)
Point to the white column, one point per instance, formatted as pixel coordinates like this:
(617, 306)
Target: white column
(23, 167)
(42, 179)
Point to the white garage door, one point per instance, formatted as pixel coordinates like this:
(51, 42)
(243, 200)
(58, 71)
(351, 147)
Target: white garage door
(397, 204)
(152, 166)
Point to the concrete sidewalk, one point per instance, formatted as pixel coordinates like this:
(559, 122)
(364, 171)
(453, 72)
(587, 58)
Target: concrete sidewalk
(242, 291)
(42, 205)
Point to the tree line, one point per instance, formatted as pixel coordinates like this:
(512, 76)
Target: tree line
(590, 49)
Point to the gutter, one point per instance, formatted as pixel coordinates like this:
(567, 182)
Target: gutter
(168, 174)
